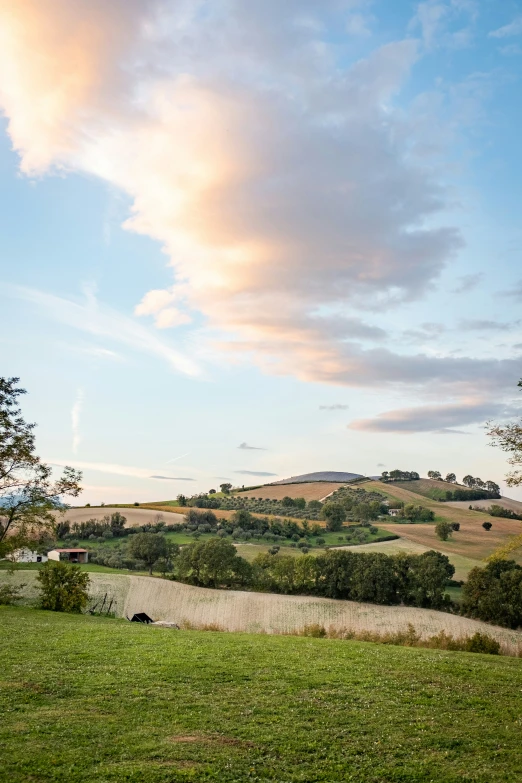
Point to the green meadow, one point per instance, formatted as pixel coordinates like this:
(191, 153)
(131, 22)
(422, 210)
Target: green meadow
(93, 699)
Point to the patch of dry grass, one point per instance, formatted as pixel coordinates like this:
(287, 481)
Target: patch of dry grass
(314, 490)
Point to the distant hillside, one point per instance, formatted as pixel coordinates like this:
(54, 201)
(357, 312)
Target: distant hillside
(325, 475)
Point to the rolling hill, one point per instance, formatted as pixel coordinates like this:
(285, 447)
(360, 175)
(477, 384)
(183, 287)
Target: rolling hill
(325, 475)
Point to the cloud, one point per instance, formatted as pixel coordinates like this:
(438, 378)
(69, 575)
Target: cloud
(206, 134)
(113, 469)
(430, 418)
(435, 17)
(246, 447)
(106, 323)
(171, 478)
(513, 28)
(254, 473)
(381, 465)
(485, 325)
(75, 419)
(515, 292)
(468, 283)
(335, 407)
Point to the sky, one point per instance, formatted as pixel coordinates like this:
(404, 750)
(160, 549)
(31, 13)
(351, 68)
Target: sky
(243, 241)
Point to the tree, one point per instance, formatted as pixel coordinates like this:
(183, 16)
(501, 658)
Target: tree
(451, 478)
(494, 593)
(148, 547)
(29, 496)
(335, 515)
(443, 530)
(213, 563)
(63, 587)
(487, 525)
(314, 505)
(455, 526)
(435, 475)
(288, 502)
(468, 481)
(508, 437)
(181, 500)
(492, 487)
(212, 492)
(225, 488)
(117, 523)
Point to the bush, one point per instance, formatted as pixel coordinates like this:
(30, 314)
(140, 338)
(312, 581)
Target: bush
(63, 587)
(487, 525)
(9, 594)
(443, 530)
(482, 643)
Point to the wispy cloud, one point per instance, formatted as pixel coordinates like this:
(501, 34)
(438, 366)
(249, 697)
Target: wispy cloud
(335, 407)
(104, 322)
(254, 473)
(245, 447)
(442, 419)
(171, 478)
(486, 325)
(115, 469)
(513, 28)
(75, 420)
(467, 283)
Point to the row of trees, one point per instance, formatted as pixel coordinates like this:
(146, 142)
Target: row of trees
(468, 481)
(399, 475)
(414, 580)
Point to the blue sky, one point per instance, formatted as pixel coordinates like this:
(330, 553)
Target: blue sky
(294, 228)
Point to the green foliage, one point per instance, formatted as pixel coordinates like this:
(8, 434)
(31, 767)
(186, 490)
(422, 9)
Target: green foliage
(213, 563)
(494, 594)
(63, 587)
(500, 511)
(335, 515)
(10, 594)
(416, 513)
(148, 547)
(28, 493)
(225, 488)
(443, 530)
(487, 525)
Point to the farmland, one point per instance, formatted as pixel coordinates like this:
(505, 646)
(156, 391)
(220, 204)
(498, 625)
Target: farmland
(509, 503)
(315, 490)
(134, 516)
(108, 700)
(236, 610)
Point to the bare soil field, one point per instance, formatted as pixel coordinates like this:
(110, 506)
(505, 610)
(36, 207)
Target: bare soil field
(234, 610)
(134, 516)
(315, 490)
(512, 505)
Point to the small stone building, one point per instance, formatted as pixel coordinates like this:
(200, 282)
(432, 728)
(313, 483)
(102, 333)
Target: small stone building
(26, 555)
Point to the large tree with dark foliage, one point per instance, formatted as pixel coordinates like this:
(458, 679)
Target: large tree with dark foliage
(494, 593)
(29, 495)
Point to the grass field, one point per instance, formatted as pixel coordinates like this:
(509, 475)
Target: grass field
(241, 611)
(513, 505)
(109, 701)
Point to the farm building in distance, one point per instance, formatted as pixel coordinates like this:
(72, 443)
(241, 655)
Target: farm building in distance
(69, 555)
(25, 555)
(394, 512)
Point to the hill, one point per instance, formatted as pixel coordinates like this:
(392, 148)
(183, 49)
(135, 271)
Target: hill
(236, 610)
(325, 475)
(108, 700)
(509, 503)
(315, 490)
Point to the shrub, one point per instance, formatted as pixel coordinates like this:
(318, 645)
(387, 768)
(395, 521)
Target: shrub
(314, 630)
(63, 587)
(9, 594)
(443, 530)
(487, 525)
(482, 643)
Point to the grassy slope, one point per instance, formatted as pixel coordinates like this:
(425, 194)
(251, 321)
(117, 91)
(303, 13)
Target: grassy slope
(111, 701)
(250, 612)
(471, 541)
(311, 491)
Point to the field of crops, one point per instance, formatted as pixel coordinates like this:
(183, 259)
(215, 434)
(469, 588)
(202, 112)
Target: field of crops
(234, 610)
(512, 505)
(134, 516)
(316, 490)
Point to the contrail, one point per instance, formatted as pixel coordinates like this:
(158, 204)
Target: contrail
(176, 458)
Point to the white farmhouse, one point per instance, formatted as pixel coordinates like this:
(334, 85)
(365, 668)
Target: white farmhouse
(25, 555)
(394, 512)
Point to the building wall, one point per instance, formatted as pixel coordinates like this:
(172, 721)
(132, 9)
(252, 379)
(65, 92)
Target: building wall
(27, 556)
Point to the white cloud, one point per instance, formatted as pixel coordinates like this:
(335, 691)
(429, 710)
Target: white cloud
(513, 28)
(114, 469)
(75, 419)
(106, 323)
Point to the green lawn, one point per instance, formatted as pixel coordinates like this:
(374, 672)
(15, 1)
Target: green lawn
(91, 699)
